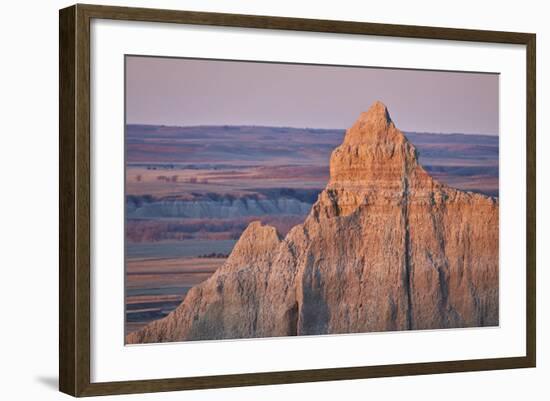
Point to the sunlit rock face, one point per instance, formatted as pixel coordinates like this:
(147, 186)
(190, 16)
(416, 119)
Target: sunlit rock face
(385, 247)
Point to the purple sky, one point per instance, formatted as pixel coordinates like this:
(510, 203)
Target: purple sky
(174, 91)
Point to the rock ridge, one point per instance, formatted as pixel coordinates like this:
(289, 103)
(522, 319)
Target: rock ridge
(385, 247)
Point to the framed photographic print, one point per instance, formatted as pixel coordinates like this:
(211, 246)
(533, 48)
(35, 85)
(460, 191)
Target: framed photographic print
(250, 200)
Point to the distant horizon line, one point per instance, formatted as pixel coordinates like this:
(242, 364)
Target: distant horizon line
(303, 128)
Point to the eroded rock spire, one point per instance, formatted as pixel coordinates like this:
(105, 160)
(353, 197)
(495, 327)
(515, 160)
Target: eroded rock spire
(385, 247)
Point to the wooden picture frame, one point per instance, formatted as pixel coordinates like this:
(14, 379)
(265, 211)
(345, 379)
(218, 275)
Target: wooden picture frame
(74, 199)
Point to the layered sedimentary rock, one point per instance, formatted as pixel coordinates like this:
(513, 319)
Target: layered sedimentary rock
(217, 209)
(385, 247)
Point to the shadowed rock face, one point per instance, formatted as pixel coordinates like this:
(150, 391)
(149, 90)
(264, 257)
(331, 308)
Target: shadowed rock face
(385, 247)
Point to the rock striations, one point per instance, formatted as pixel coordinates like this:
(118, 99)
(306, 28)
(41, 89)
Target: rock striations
(385, 247)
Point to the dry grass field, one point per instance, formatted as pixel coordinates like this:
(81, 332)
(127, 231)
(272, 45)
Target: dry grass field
(154, 287)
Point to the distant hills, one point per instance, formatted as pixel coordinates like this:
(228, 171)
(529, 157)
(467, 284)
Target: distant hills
(468, 162)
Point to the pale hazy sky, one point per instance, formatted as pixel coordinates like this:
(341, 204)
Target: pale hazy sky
(173, 91)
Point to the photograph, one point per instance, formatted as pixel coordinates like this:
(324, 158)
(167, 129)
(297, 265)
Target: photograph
(267, 199)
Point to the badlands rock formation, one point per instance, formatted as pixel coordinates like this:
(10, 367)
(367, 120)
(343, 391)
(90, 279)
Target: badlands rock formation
(385, 247)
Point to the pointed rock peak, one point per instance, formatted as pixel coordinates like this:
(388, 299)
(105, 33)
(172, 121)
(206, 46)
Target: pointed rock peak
(374, 154)
(373, 126)
(378, 113)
